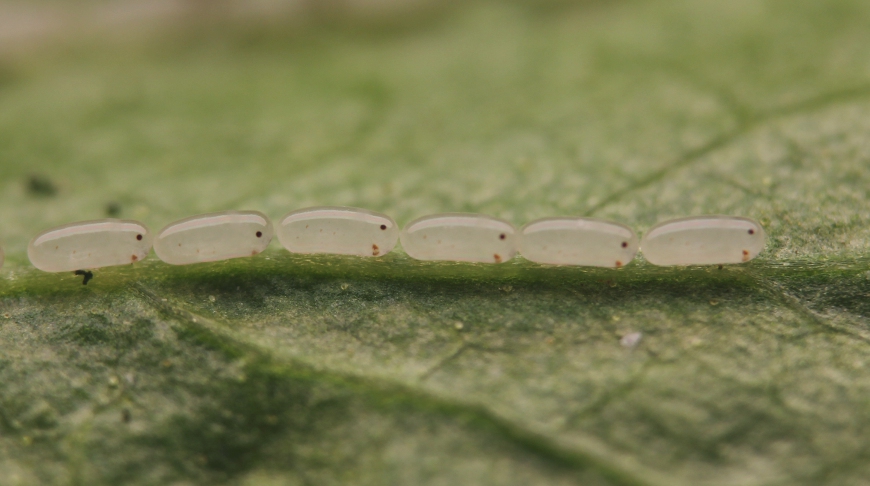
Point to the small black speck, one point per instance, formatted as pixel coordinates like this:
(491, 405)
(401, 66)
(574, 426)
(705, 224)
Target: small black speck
(502, 236)
(625, 244)
(85, 273)
(39, 185)
(139, 237)
(113, 209)
(752, 232)
(383, 226)
(259, 234)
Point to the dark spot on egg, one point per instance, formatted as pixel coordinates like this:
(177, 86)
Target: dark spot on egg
(383, 227)
(502, 236)
(259, 234)
(618, 263)
(752, 232)
(375, 250)
(134, 258)
(625, 244)
(139, 237)
(497, 258)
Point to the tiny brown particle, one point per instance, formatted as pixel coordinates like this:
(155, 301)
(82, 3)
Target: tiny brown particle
(134, 258)
(501, 236)
(383, 227)
(253, 252)
(752, 232)
(139, 237)
(618, 263)
(497, 258)
(745, 256)
(375, 250)
(625, 244)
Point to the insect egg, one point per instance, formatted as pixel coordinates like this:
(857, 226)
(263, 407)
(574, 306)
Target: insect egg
(338, 230)
(213, 237)
(578, 241)
(703, 240)
(89, 244)
(460, 237)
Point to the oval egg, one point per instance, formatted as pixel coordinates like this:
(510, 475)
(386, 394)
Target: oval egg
(703, 240)
(460, 237)
(338, 230)
(578, 241)
(89, 244)
(213, 237)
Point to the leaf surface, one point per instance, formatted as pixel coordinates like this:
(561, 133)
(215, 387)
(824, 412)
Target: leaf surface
(288, 369)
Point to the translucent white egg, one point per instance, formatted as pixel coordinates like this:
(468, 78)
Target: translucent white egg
(460, 237)
(89, 244)
(213, 237)
(703, 240)
(578, 241)
(338, 230)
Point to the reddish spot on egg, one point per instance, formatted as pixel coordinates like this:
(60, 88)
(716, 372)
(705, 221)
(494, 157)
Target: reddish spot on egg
(383, 227)
(625, 244)
(752, 232)
(375, 250)
(259, 234)
(497, 258)
(502, 236)
(139, 237)
(134, 258)
(618, 263)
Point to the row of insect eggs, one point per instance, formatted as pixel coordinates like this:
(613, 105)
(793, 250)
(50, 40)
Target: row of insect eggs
(701, 240)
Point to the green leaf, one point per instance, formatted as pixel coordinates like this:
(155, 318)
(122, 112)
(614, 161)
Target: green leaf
(285, 369)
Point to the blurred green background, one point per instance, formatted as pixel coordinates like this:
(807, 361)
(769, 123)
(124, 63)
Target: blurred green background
(286, 369)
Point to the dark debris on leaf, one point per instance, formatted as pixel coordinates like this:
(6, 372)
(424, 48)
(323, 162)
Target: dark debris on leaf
(40, 185)
(87, 274)
(113, 209)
